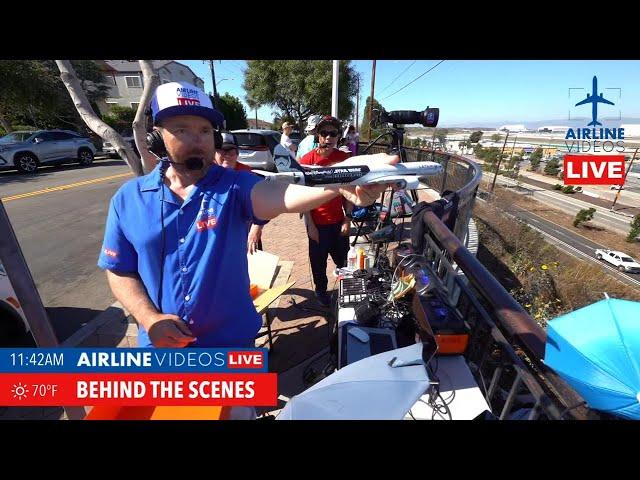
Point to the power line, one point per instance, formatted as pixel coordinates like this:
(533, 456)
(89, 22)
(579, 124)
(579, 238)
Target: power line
(239, 65)
(419, 76)
(392, 81)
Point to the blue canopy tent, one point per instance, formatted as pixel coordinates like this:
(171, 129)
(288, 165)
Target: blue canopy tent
(596, 349)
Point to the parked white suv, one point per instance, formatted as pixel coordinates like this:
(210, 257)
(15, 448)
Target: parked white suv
(13, 323)
(27, 150)
(255, 148)
(127, 136)
(622, 261)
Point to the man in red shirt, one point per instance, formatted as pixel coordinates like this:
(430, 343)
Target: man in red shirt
(227, 157)
(327, 225)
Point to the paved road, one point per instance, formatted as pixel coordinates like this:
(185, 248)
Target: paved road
(571, 243)
(572, 205)
(60, 232)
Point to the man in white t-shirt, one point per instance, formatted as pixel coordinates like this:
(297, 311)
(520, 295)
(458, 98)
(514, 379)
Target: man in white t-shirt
(285, 140)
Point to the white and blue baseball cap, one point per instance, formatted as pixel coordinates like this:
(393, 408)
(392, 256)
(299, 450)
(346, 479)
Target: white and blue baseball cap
(182, 98)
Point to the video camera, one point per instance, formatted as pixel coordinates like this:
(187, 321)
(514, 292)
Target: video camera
(427, 118)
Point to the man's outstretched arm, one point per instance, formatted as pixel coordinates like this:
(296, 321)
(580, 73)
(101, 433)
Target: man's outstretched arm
(270, 199)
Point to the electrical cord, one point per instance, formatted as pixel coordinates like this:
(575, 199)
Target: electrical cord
(441, 408)
(163, 170)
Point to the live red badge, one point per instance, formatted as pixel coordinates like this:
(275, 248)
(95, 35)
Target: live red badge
(593, 169)
(249, 359)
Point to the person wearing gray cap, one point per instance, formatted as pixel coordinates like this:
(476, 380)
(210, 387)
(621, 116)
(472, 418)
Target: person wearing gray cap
(309, 142)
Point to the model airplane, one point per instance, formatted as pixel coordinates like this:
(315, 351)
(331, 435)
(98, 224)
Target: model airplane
(402, 175)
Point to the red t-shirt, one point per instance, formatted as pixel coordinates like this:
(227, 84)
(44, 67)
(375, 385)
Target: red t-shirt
(330, 212)
(242, 166)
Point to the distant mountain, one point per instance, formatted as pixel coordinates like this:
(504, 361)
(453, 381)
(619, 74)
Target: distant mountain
(580, 122)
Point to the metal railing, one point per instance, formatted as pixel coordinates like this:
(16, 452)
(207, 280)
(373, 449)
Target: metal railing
(506, 346)
(459, 175)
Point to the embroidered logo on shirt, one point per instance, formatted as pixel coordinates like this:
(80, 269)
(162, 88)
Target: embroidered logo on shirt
(111, 253)
(210, 222)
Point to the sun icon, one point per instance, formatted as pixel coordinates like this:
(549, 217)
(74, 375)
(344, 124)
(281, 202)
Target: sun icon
(19, 391)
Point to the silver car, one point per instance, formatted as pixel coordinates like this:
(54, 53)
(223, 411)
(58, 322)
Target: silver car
(27, 150)
(256, 148)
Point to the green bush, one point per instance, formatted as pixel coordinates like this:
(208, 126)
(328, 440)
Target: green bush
(635, 229)
(583, 215)
(568, 189)
(557, 186)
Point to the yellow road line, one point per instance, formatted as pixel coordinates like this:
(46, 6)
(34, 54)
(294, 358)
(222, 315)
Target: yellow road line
(64, 187)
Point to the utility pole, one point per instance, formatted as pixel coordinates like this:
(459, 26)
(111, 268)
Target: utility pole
(513, 148)
(373, 86)
(624, 178)
(334, 91)
(495, 176)
(357, 101)
(213, 79)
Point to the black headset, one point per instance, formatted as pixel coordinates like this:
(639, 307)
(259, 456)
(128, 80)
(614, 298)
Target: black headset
(156, 146)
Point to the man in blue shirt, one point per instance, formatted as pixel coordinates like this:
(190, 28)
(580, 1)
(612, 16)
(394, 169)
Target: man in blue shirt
(175, 240)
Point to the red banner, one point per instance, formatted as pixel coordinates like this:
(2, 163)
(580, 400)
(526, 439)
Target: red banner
(138, 389)
(593, 169)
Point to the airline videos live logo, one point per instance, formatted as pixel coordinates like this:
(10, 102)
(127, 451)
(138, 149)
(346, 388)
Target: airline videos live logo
(593, 169)
(245, 359)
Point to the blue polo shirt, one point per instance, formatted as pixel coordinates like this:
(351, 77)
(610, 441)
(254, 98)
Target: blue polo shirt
(206, 278)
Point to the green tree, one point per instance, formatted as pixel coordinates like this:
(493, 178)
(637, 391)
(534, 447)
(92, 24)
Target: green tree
(535, 158)
(299, 88)
(119, 118)
(441, 136)
(478, 151)
(583, 215)
(635, 229)
(475, 136)
(512, 162)
(32, 93)
(495, 137)
(234, 112)
(364, 126)
(552, 168)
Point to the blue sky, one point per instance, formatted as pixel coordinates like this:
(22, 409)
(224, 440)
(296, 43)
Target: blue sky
(470, 92)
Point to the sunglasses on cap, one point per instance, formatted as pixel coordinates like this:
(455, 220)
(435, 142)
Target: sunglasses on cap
(328, 133)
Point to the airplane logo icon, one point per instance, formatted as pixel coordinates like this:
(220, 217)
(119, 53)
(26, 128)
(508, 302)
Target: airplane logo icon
(594, 100)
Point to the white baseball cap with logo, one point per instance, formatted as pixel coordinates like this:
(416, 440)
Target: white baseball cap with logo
(312, 122)
(182, 98)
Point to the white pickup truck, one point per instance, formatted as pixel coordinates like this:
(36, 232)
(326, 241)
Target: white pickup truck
(621, 261)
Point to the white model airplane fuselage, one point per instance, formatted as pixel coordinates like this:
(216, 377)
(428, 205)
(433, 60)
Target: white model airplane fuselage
(402, 175)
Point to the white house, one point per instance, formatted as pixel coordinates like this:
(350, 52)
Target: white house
(125, 79)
